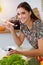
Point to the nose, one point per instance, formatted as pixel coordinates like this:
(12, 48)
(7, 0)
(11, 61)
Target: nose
(20, 16)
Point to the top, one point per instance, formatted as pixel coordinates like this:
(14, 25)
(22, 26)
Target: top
(35, 33)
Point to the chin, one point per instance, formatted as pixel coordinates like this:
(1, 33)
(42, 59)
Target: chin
(23, 22)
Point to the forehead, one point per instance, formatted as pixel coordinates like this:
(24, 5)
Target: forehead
(21, 10)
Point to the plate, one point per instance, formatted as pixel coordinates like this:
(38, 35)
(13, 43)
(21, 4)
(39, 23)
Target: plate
(2, 53)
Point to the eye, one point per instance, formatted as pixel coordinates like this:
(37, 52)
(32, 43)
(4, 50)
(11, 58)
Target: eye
(23, 12)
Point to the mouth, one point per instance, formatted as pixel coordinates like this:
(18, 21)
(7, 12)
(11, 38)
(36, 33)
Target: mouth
(22, 20)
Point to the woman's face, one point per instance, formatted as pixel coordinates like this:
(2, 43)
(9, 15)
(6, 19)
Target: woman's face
(23, 15)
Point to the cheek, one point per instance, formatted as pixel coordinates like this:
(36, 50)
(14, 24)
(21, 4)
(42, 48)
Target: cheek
(27, 17)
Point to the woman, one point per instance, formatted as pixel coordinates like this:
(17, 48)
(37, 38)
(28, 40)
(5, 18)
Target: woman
(30, 27)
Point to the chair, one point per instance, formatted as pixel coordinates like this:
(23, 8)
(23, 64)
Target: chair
(36, 12)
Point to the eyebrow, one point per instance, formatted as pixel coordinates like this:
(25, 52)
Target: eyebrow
(21, 12)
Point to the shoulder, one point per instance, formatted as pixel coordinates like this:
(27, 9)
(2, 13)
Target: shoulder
(38, 22)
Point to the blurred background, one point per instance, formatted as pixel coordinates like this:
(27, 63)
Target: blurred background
(7, 11)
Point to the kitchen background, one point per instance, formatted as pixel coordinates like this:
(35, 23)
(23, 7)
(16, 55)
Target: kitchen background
(8, 10)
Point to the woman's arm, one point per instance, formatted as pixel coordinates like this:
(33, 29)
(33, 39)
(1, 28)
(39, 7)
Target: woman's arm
(33, 52)
(18, 39)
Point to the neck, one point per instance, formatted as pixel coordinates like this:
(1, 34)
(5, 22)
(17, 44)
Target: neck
(29, 24)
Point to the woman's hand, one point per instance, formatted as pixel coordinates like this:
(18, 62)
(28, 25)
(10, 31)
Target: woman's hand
(9, 25)
(12, 52)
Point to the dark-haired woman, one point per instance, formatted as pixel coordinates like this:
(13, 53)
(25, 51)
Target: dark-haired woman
(30, 27)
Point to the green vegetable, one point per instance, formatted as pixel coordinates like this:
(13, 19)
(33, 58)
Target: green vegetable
(14, 59)
(3, 61)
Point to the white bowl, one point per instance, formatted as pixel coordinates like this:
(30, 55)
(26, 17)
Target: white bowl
(2, 53)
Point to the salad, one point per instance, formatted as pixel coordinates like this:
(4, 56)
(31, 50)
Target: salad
(14, 59)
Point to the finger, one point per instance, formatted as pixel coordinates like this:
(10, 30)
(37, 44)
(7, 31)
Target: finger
(11, 23)
(8, 54)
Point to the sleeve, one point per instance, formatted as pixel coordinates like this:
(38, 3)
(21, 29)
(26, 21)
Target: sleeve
(39, 29)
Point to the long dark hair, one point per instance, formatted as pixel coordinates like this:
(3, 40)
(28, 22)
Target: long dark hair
(27, 7)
